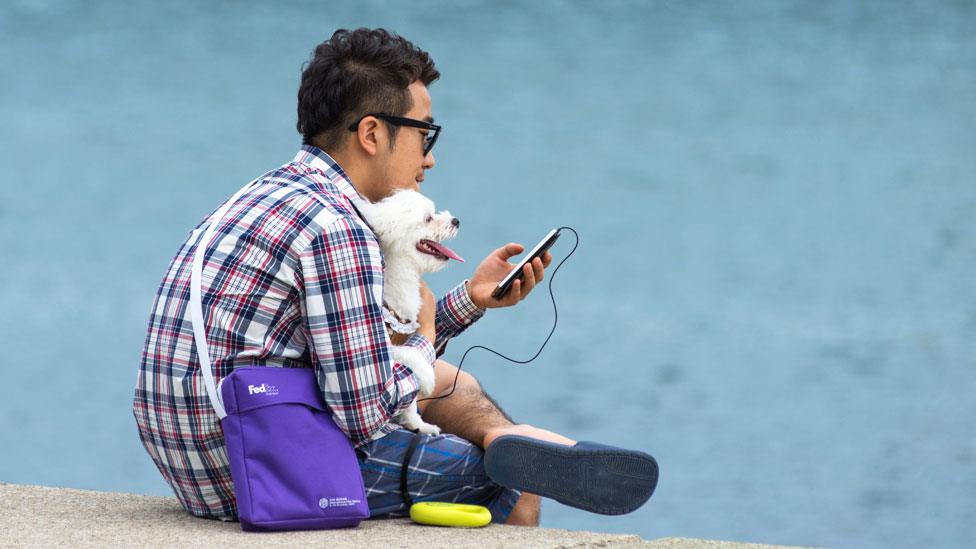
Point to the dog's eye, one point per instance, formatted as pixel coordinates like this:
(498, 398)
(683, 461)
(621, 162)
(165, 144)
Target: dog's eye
(429, 219)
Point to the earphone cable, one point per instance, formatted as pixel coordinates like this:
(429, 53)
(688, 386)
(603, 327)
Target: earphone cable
(555, 320)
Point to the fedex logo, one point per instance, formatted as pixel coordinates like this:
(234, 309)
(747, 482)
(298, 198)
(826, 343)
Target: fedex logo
(264, 388)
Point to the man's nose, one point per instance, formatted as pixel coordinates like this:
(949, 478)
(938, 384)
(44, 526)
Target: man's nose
(429, 161)
(455, 221)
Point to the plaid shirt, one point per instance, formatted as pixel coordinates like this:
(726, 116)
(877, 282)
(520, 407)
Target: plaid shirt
(293, 278)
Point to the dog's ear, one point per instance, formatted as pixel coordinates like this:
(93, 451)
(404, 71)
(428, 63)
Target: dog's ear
(387, 204)
(389, 217)
(373, 212)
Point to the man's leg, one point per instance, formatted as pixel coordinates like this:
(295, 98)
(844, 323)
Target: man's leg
(524, 457)
(470, 413)
(526, 512)
(443, 468)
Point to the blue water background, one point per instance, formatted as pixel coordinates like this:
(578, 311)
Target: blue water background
(774, 293)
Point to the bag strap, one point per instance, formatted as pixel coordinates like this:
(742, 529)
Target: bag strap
(404, 490)
(196, 304)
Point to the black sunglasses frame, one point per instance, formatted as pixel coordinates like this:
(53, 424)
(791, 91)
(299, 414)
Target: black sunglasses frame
(409, 122)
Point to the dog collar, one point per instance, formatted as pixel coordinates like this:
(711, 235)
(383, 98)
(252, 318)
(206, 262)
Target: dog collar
(398, 325)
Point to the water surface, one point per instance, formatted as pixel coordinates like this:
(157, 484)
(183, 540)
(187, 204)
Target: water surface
(774, 291)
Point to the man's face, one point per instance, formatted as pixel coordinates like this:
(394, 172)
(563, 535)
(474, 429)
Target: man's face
(404, 166)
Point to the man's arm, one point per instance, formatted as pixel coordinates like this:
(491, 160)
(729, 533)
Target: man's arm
(466, 303)
(455, 312)
(342, 273)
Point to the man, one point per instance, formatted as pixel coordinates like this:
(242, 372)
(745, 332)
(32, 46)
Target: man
(295, 280)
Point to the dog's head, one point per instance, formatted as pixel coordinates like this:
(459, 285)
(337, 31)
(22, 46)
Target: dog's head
(410, 229)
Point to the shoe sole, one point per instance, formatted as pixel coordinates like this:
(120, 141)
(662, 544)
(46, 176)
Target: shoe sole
(588, 476)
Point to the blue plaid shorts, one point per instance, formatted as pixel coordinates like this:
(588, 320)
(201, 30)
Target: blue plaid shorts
(442, 468)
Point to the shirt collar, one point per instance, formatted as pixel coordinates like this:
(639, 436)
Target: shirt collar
(310, 155)
(320, 160)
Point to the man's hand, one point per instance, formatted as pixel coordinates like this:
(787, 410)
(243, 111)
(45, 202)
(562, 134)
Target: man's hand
(493, 269)
(426, 316)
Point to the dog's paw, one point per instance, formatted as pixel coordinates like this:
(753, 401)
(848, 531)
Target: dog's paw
(413, 359)
(428, 429)
(410, 418)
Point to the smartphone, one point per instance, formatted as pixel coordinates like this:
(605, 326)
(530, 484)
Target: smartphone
(516, 273)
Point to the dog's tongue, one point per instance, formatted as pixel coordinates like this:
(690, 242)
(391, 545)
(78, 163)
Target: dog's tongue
(445, 250)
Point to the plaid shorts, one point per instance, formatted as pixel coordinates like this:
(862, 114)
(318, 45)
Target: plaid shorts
(442, 468)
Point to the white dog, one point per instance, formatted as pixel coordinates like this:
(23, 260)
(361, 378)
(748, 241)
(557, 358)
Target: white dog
(410, 232)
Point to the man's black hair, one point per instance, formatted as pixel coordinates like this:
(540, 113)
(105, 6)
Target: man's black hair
(355, 73)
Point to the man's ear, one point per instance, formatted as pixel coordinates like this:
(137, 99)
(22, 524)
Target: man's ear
(369, 136)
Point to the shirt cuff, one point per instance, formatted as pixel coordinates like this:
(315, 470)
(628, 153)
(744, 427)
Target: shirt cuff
(422, 344)
(466, 304)
(457, 310)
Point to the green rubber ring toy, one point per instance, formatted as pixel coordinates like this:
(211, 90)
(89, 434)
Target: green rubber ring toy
(461, 515)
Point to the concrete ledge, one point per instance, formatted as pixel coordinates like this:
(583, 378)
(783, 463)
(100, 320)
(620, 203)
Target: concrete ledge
(39, 516)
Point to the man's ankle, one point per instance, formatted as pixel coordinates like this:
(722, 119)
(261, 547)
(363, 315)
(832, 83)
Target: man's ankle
(526, 511)
(492, 434)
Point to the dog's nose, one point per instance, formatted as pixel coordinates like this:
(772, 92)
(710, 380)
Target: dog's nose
(455, 221)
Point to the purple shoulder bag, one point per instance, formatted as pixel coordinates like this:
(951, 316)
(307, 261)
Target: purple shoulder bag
(293, 469)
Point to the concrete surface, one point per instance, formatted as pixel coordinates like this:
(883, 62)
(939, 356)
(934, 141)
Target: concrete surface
(40, 516)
